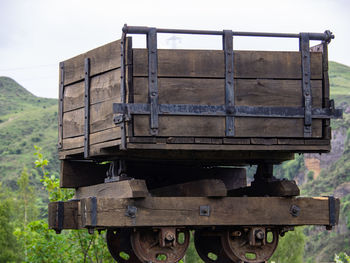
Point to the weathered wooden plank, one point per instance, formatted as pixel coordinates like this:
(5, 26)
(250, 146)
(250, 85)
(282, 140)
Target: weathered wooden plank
(264, 141)
(229, 147)
(71, 154)
(76, 174)
(172, 126)
(275, 127)
(97, 137)
(101, 118)
(71, 216)
(102, 59)
(210, 64)
(121, 189)
(198, 126)
(102, 87)
(290, 141)
(206, 187)
(184, 211)
(201, 140)
(248, 92)
(236, 140)
(180, 140)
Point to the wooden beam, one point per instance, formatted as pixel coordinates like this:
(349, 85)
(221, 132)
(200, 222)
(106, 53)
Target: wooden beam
(71, 218)
(206, 187)
(227, 211)
(76, 174)
(121, 189)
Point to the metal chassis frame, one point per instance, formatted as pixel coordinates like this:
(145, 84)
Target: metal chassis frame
(229, 110)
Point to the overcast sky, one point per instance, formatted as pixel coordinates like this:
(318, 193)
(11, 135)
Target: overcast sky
(35, 35)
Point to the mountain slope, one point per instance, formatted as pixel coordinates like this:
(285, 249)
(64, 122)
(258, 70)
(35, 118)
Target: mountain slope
(25, 121)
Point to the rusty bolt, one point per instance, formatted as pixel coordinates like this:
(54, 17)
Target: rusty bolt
(259, 234)
(169, 236)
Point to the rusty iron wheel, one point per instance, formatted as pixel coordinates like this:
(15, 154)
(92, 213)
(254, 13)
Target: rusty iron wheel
(119, 245)
(238, 246)
(146, 245)
(208, 247)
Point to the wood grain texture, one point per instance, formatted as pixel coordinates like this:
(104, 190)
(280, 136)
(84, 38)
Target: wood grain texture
(205, 151)
(102, 87)
(173, 126)
(122, 189)
(275, 127)
(101, 118)
(210, 64)
(102, 59)
(184, 211)
(97, 137)
(182, 126)
(71, 215)
(206, 187)
(248, 92)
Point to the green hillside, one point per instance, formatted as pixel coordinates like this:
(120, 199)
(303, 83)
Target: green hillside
(25, 121)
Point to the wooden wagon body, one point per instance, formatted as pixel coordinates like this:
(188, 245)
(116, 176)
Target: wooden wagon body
(117, 100)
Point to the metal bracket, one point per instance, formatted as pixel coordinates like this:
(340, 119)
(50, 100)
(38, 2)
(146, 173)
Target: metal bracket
(93, 211)
(153, 79)
(87, 108)
(229, 80)
(221, 110)
(331, 204)
(60, 217)
(131, 211)
(60, 107)
(122, 89)
(204, 210)
(306, 78)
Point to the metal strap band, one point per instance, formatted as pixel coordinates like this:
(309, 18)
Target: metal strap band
(122, 89)
(60, 215)
(87, 108)
(306, 77)
(153, 79)
(221, 110)
(93, 211)
(229, 82)
(60, 107)
(327, 35)
(331, 203)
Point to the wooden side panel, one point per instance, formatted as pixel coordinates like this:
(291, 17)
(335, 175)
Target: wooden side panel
(102, 87)
(215, 127)
(248, 92)
(101, 118)
(102, 59)
(184, 211)
(95, 138)
(210, 64)
(182, 126)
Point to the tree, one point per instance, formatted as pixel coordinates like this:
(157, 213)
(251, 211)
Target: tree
(290, 248)
(8, 243)
(44, 245)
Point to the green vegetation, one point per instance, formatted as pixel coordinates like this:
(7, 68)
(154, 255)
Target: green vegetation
(27, 120)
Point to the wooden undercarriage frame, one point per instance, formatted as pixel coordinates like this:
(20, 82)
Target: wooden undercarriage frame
(103, 206)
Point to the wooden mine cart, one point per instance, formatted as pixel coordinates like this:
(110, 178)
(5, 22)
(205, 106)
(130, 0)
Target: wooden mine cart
(152, 140)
